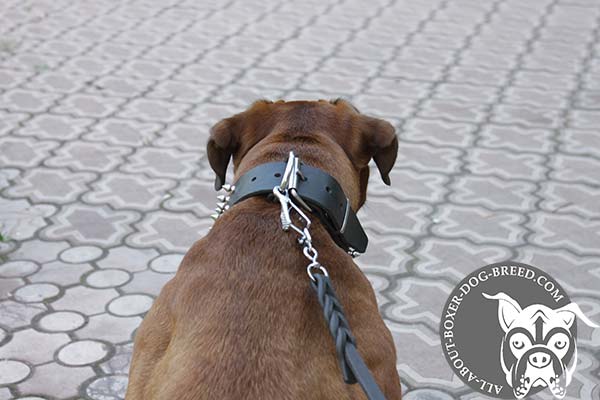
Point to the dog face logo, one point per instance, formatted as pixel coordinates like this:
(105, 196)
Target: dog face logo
(538, 348)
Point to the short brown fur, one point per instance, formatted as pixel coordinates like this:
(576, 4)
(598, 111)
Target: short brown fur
(239, 320)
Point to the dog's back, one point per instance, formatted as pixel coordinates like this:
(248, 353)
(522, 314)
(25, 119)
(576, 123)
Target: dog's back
(240, 320)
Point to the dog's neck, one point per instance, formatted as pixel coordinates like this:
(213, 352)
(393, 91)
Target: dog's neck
(327, 157)
(305, 187)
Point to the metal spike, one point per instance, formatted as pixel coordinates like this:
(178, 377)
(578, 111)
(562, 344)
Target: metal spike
(219, 210)
(227, 187)
(221, 206)
(214, 216)
(223, 198)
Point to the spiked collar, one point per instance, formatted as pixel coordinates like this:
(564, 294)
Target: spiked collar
(317, 192)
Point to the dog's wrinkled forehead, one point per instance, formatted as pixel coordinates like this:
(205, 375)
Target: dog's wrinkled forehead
(306, 116)
(323, 104)
(295, 120)
(320, 102)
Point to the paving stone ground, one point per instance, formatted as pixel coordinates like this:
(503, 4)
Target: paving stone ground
(104, 112)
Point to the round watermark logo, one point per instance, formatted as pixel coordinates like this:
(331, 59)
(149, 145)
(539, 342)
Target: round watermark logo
(509, 330)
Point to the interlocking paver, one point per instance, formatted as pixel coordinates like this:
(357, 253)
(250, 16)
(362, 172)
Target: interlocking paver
(418, 300)
(23, 219)
(41, 185)
(65, 381)
(128, 191)
(60, 321)
(516, 138)
(61, 273)
(105, 110)
(24, 152)
(455, 258)
(109, 328)
(89, 224)
(479, 225)
(509, 195)
(392, 259)
(20, 346)
(505, 164)
(13, 371)
(54, 127)
(82, 352)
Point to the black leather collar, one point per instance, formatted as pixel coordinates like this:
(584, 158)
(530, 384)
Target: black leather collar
(319, 190)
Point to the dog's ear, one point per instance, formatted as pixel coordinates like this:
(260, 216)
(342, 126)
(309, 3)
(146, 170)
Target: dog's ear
(572, 310)
(235, 136)
(508, 309)
(222, 143)
(382, 142)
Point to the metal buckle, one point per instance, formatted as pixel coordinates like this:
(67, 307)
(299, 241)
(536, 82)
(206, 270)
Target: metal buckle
(289, 178)
(288, 185)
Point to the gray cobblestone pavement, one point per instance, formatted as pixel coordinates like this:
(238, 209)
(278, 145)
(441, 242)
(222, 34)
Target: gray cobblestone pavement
(104, 112)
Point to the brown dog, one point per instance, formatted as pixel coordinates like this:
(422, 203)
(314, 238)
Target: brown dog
(239, 320)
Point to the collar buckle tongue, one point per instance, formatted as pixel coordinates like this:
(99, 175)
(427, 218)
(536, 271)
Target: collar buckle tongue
(289, 180)
(282, 192)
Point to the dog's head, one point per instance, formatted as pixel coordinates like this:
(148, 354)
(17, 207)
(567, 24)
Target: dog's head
(331, 135)
(538, 348)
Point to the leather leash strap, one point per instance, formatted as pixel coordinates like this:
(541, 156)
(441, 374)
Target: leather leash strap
(353, 367)
(362, 374)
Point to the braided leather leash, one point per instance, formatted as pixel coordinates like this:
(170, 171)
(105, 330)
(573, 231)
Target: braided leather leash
(336, 321)
(353, 367)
